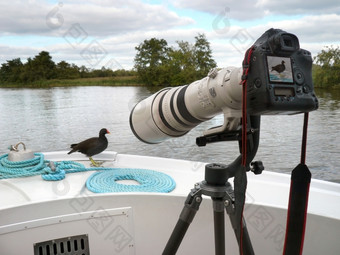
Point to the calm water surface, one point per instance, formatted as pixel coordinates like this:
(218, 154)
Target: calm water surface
(52, 119)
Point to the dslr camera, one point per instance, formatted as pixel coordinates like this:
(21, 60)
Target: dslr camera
(279, 81)
(280, 76)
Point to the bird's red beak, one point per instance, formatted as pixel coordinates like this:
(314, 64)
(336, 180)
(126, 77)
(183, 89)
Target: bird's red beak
(107, 132)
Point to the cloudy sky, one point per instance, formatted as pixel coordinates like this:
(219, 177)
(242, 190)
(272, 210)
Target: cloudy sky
(98, 33)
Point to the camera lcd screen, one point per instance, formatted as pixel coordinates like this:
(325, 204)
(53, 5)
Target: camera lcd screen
(280, 69)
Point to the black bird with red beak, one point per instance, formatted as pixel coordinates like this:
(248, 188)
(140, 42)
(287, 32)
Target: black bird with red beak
(92, 146)
(279, 68)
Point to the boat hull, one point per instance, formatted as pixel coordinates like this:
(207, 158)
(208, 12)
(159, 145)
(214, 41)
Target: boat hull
(34, 211)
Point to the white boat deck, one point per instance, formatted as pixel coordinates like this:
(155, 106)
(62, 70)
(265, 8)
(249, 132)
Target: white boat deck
(34, 210)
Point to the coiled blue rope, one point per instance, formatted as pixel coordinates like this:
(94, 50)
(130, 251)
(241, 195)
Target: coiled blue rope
(103, 181)
(149, 181)
(49, 171)
(10, 169)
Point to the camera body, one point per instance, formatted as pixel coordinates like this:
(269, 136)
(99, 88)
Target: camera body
(279, 80)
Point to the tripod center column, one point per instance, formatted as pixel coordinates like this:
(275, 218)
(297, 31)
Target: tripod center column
(216, 174)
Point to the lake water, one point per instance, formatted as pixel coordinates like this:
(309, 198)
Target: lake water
(52, 119)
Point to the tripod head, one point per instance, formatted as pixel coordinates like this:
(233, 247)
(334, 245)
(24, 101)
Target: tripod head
(253, 136)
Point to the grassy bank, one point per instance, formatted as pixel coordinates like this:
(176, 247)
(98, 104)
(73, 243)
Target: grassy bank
(97, 81)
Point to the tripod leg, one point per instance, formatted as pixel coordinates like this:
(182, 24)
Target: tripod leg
(235, 220)
(188, 213)
(218, 205)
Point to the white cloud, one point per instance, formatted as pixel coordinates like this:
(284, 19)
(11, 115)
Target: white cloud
(321, 29)
(235, 9)
(293, 7)
(252, 9)
(96, 18)
(66, 29)
(75, 24)
(314, 32)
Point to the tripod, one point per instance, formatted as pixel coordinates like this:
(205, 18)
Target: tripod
(217, 187)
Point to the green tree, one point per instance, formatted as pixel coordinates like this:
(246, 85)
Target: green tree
(66, 71)
(84, 72)
(150, 59)
(158, 64)
(27, 74)
(11, 71)
(181, 64)
(203, 55)
(326, 72)
(42, 66)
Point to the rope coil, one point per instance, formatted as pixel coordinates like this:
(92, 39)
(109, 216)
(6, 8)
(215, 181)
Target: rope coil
(103, 181)
(38, 166)
(15, 169)
(149, 181)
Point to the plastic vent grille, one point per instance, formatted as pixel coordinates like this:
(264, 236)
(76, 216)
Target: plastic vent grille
(73, 245)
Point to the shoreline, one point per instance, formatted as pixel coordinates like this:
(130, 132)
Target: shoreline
(100, 81)
(93, 81)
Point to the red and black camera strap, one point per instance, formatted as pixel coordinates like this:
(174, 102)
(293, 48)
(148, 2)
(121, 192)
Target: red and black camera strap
(246, 67)
(300, 179)
(298, 201)
(240, 179)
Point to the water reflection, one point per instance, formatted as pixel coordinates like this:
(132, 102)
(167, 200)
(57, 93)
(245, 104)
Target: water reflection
(329, 99)
(52, 119)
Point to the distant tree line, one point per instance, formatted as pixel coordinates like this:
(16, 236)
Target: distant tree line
(326, 70)
(157, 64)
(42, 67)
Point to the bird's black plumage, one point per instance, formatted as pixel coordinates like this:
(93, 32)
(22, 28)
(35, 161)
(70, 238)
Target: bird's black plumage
(279, 68)
(92, 146)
